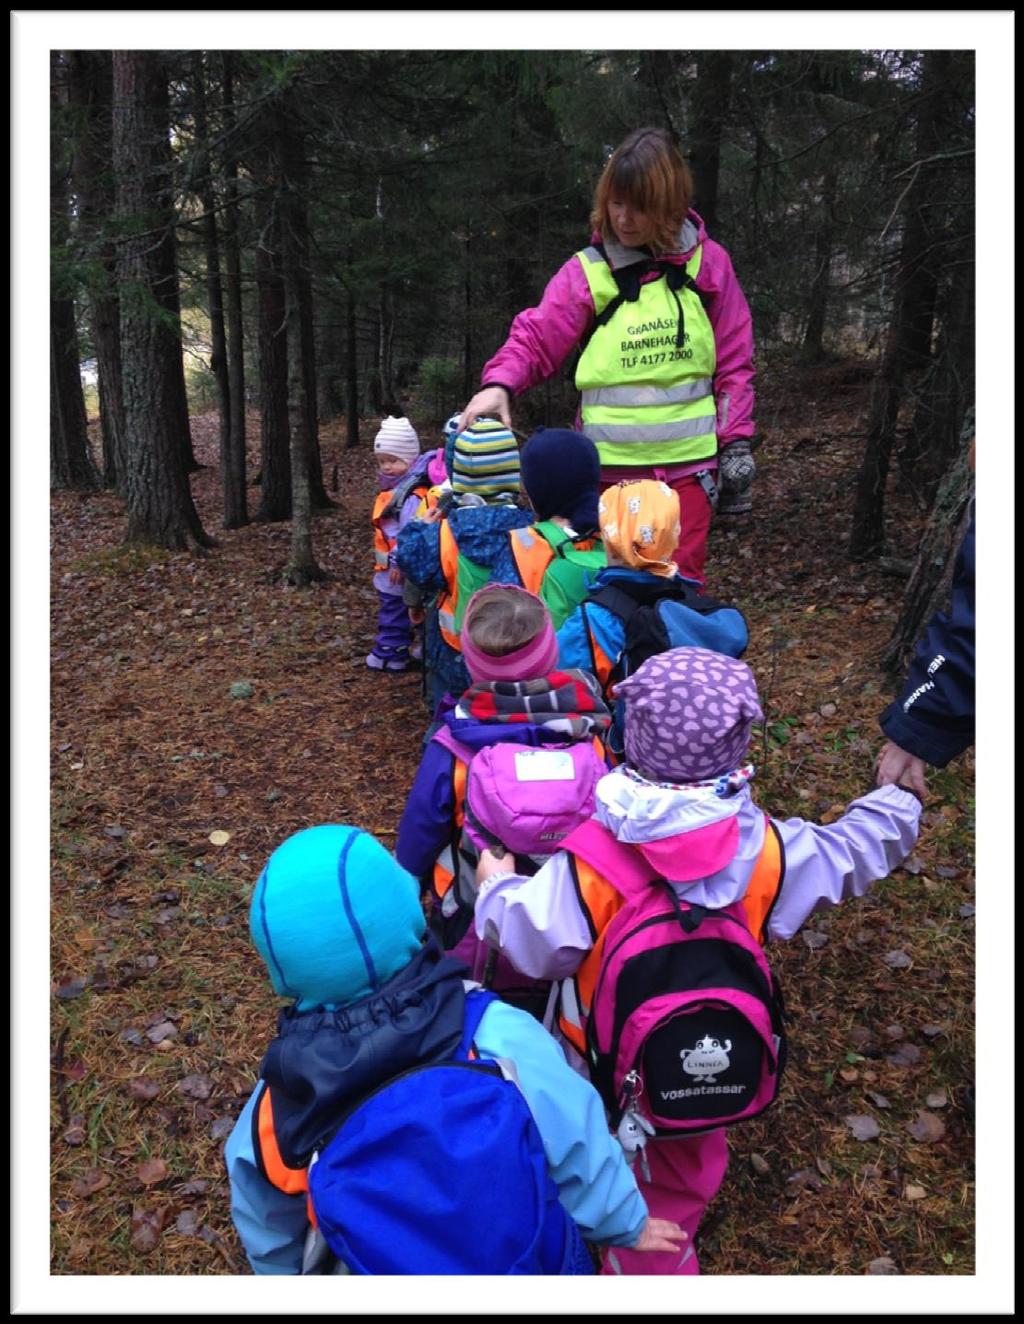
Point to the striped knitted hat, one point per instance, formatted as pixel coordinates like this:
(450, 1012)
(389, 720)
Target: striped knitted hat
(485, 461)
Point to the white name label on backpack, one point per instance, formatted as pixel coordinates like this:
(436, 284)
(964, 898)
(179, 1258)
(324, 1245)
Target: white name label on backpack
(545, 765)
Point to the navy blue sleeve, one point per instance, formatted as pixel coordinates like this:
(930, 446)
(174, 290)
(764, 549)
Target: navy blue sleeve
(933, 717)
(428, 818)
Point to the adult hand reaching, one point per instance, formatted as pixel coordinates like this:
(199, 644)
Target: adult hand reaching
(491, 402)
(896, 765)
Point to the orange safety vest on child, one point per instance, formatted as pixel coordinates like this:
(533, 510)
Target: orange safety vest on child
(600, 901)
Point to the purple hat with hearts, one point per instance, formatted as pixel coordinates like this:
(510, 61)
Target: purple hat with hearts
(688, 714)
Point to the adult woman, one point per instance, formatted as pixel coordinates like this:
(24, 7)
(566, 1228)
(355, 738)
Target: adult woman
(664, 330)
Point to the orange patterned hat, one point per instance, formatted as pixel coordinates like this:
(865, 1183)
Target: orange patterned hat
(640, 524)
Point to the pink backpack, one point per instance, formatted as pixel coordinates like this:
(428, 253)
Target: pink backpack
(685, 1026)
(526, 799)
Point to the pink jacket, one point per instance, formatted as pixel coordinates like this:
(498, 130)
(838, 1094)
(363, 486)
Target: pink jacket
(542, 338)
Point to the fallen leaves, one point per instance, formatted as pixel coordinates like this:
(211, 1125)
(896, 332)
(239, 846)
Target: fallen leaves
(196, 1086)
(143, 1089)
(220, 837)
(89, 1183)
(147, 1225)
(152, 1171)
(926, 1128)
(862, 1126)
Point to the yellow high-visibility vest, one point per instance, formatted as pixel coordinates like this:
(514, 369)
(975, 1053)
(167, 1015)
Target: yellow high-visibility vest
(647, 399)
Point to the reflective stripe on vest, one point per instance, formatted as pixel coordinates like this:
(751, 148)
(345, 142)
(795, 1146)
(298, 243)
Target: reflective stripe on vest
(446, 866)
(447, 602)
(382, 545)
(600, 902)
(533, 555)
(639, 389)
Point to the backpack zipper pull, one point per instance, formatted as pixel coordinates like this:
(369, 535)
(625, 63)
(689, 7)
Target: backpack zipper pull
(631, 1086)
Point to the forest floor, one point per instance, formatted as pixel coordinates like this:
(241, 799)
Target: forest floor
(168, 794)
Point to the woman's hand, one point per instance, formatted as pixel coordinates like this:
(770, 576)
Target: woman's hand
(491, 402)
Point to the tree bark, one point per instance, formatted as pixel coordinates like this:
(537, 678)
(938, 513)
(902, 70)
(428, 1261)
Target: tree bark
(160, 505)
(929, 584)
(275, 463)
(71, 465)
(814, 346)
(91, 96)
(302, 568)
(233, 312)
(70, 462)
(711, 96)
(351, 372)
(868, 525)
(232, 473)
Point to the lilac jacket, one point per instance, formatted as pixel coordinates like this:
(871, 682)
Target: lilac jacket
(540, 925)
(542, 338)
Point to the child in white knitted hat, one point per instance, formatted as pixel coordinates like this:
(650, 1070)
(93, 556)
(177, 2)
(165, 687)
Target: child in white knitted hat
(403, 481)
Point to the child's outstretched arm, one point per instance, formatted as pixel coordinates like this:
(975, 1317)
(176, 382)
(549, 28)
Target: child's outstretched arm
(537, 922)
(829, 863)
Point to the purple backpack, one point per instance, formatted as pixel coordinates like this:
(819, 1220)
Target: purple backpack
(685, 1024)
(528, 798)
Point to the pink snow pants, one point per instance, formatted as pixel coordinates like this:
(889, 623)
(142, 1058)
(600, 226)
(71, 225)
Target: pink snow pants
(685, 1177)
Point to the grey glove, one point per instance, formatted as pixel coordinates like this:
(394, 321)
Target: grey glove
(736, 470)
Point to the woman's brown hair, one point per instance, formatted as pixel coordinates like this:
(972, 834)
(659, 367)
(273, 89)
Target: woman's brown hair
(647, 170)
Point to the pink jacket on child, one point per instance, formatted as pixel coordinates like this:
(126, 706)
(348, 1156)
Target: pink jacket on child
(542, 338)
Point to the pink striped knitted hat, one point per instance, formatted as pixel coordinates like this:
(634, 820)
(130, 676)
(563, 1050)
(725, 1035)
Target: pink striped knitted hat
(532, 660)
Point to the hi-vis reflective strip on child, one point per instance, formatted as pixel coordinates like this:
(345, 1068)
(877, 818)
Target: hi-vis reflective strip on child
(448, 599)
(600, 902)
(533, 555)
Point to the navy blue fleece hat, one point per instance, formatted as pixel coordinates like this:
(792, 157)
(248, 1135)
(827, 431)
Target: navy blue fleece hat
(334, 916)
(561, 475)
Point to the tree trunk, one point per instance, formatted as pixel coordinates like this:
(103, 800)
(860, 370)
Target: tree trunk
(160, 505)
(91, 96)
(868, 526)
(934, 437)
(351, 372)
(275, 462)
(232, 473)
(711, 95)
(929, 583)
(867, 533)
(70, 463)
(318, 493)
(302, 568)
(233, 291)
(814, 347)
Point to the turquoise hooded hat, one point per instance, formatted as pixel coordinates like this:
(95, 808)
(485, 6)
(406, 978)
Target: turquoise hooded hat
(334, 916)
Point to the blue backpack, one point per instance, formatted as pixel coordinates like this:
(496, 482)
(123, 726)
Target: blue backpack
(442, 1170)
(659, 615)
